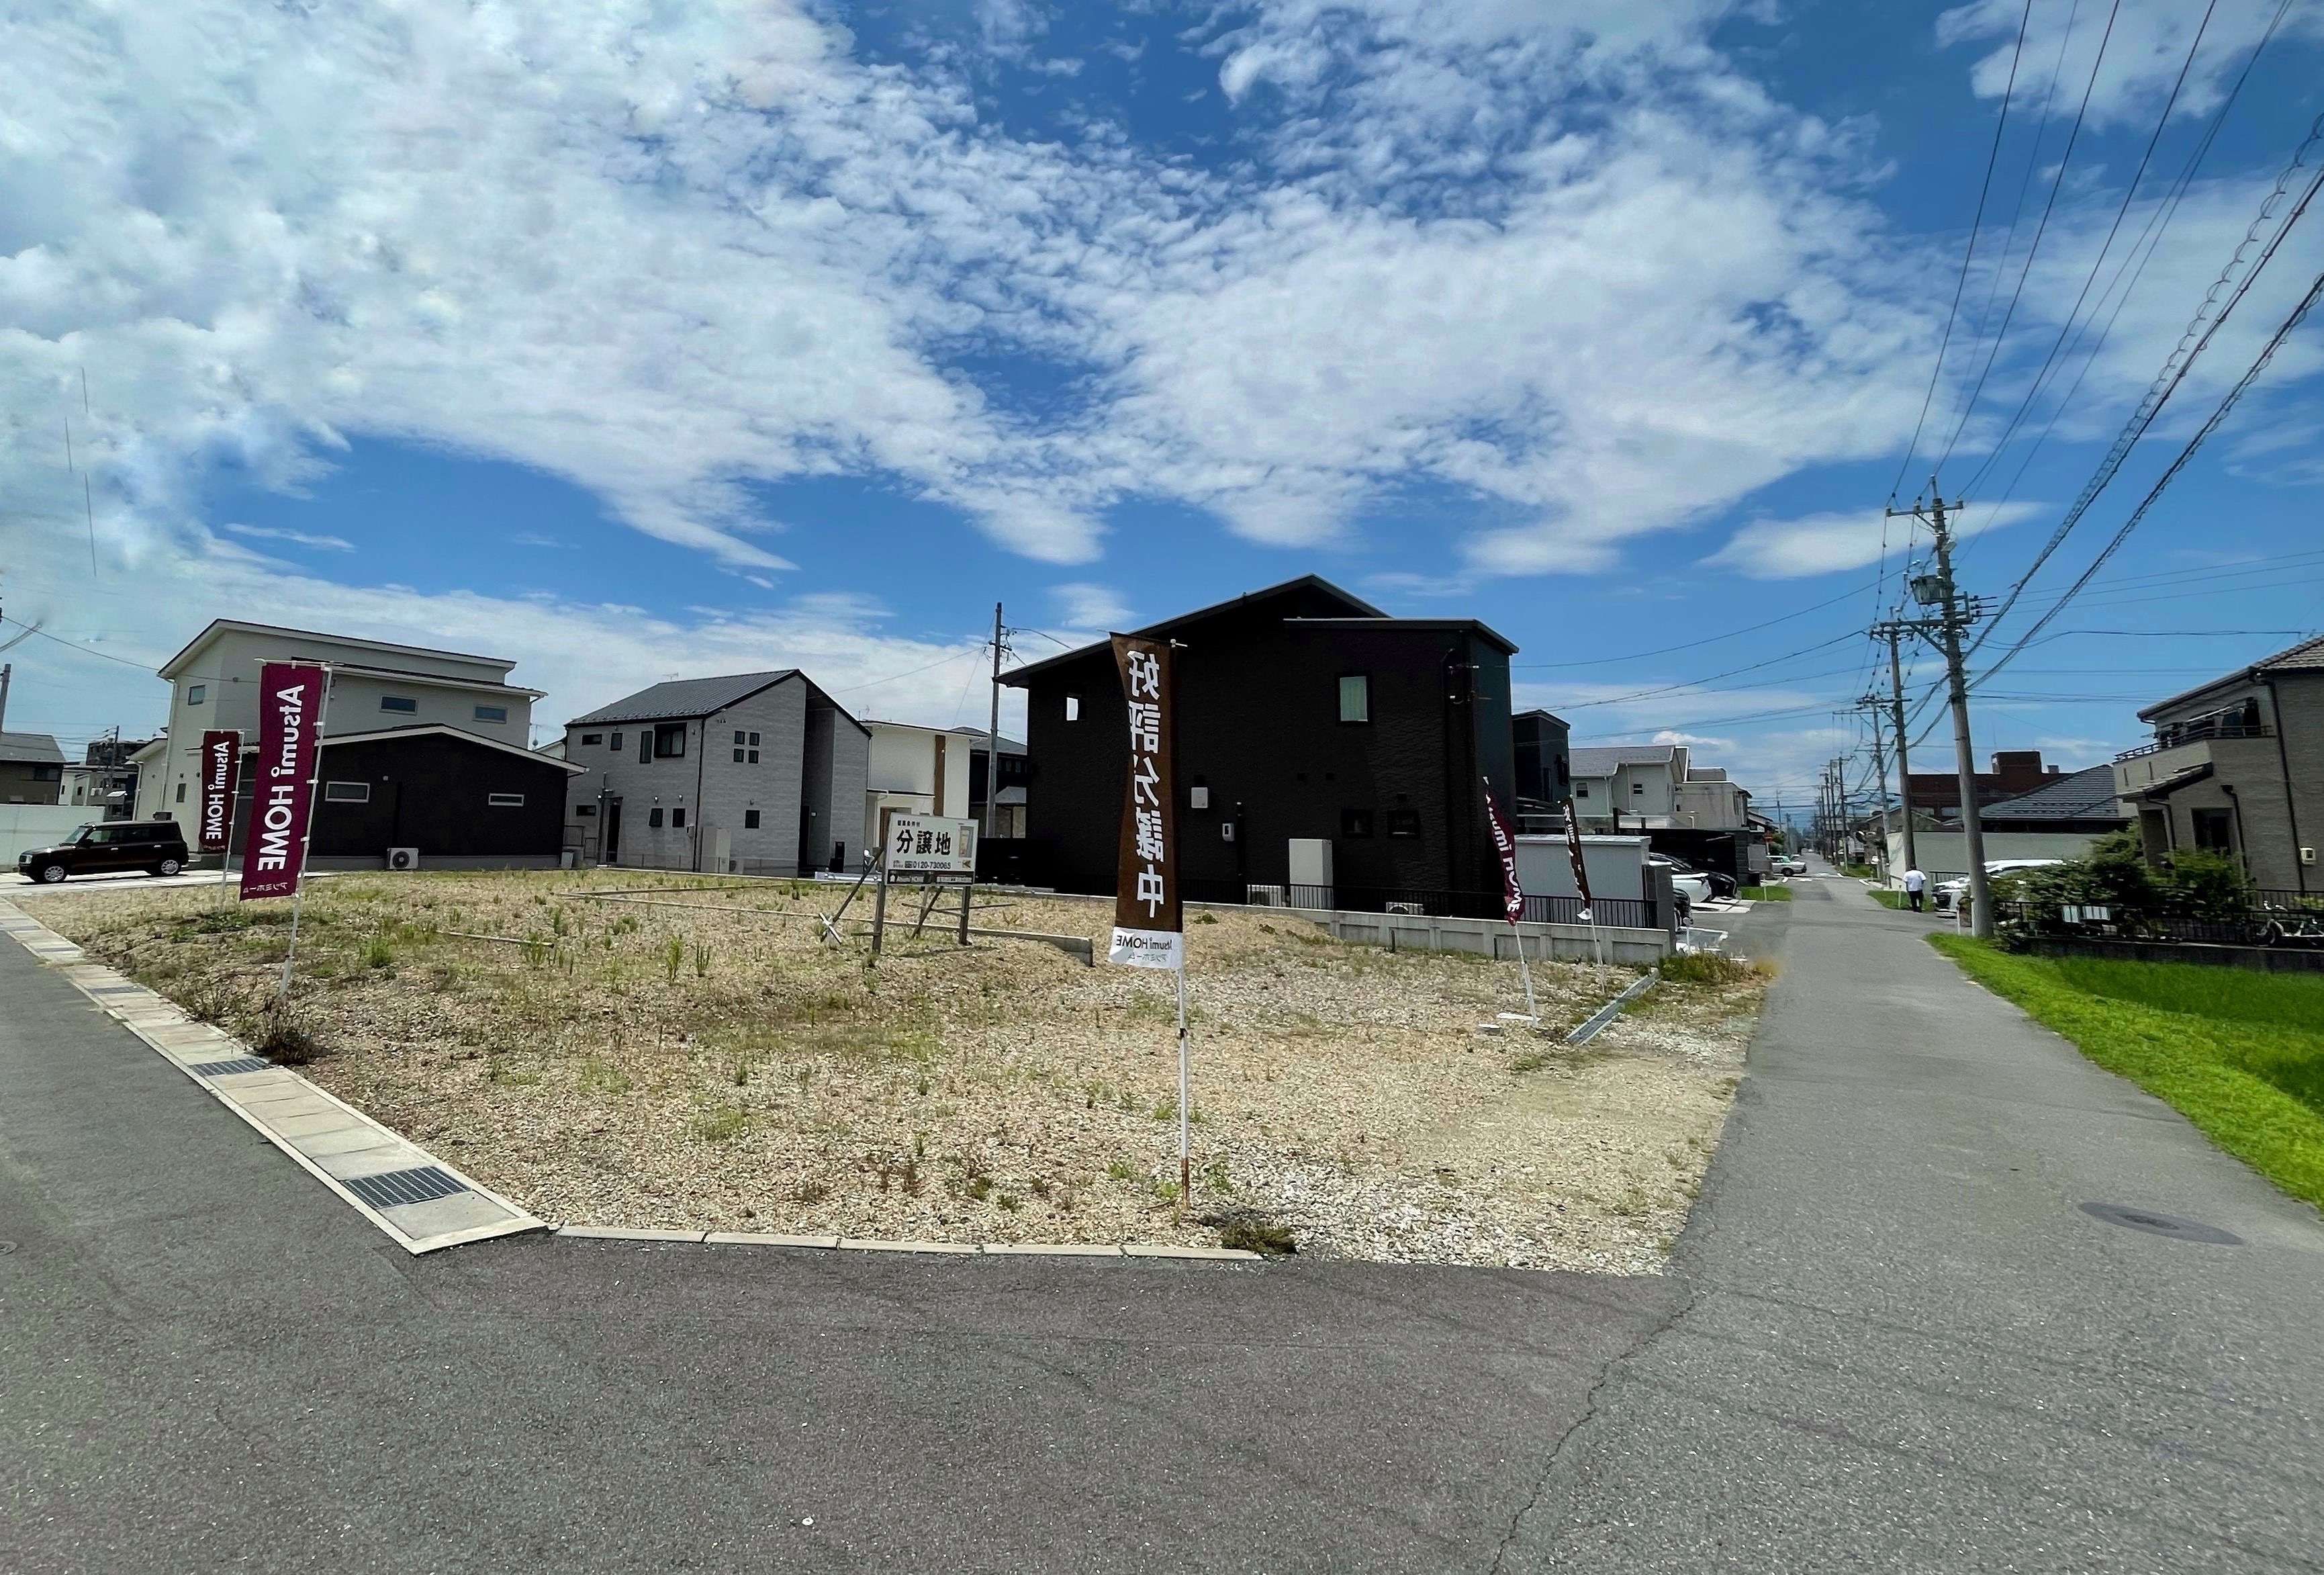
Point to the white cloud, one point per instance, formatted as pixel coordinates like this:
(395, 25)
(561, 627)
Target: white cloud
(2147, 46)
(298, 538)
(1824, 543)
(1091, 606)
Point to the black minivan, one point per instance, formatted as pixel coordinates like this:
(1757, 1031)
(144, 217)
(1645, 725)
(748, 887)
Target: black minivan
(155, 846)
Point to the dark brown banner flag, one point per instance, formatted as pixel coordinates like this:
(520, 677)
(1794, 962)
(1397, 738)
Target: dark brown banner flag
(1149, 931)
(281, 779)
(221, 762)
(1504, 844)
(1573, 853)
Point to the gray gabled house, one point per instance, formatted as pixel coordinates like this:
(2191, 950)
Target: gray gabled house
(751, 774)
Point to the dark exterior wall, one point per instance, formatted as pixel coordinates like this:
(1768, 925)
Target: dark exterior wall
(1259, 726)
(1543, 758)
(27, 782)
(2298, 702)
(431, 792)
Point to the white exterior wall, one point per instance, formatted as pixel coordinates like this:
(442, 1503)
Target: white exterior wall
(23, 825)
(1942, 853)
(903, 773)
(226, 669)
(1617, 866)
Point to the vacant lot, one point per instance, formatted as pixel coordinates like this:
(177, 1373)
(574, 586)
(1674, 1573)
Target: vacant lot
(620, 1049)
(2240, 1054)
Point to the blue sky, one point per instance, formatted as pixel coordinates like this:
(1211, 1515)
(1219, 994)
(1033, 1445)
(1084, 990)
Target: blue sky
(630, 340)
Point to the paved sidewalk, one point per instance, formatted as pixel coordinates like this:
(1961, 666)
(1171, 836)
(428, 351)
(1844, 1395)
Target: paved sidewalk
(1906, 1348)
(208, 1363)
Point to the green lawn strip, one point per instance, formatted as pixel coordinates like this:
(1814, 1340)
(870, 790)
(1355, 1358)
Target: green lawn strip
(2234, 1080)
(1765, 894)
(1887, 898)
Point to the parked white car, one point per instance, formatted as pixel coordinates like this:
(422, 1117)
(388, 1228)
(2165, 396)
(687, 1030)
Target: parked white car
(1945, 894)
(1684, 877)
(1788, 864)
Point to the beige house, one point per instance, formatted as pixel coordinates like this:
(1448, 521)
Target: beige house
(375, 685)
(921, 771)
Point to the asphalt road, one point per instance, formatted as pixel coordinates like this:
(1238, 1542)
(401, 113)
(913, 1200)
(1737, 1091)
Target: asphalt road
(1893, 1343)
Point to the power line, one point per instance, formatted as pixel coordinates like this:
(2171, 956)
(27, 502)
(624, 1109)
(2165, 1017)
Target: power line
(2049, 206)
(1976, 225)
(1707, 640)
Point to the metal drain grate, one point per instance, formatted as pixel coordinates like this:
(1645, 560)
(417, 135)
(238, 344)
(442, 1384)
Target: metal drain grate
(390, 1188)
(227, 1068)
(2168, 1224)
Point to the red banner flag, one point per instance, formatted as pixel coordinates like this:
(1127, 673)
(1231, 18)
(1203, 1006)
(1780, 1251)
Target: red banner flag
(1506, 844)
(221, 764)
(282, 779)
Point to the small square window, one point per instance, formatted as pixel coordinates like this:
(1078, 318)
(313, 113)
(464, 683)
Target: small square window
(1073, 708)
(754, 740)
(653, 817)
(597, 738)
(1355, 697)
(738, 757)
(1404, 822)
(754, 757)
(579, 811)
(491, 713)
(741, 736)
(402, 704)
(678, 818)
(1639, 790)
(505, 801)
(1355, 822)
(749, 819)
(196, 693)
(346, 792)
(1581, 789)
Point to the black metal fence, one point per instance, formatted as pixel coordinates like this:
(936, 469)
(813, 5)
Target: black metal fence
(2297, 923)
(1620, 913)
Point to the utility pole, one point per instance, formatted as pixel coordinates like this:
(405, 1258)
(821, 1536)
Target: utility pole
(1893, 633)
(993, 736)
(1880, 770)
(1955, 613)
(7, 671)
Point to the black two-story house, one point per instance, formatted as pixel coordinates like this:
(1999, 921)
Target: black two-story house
(1301, 712)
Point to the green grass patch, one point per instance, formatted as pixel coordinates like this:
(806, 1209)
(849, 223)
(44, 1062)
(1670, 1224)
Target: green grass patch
(1862, 871)
(1887, 898)
(1765, 894)
(2240, 1054)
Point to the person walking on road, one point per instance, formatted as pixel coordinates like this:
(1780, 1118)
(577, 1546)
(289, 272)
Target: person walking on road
(1915, 885)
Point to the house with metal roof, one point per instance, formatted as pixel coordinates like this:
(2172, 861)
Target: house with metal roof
(2081, 800)
(32, 769)
(748, 772)
(2236, 766)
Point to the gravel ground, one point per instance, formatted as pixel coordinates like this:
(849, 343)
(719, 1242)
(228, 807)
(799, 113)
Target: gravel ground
(684, 1053)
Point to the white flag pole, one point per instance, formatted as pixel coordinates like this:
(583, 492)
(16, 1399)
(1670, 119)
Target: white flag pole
(1185, 1167)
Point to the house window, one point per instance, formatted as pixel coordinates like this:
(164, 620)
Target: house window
(653, 818)
(346, 792)
(678, 818)
(1073, 708)
(581, 809)
(491, 713)
(505, 801)
(613, 743)
(754, 757)
(2215, 830)
(749, 819)
(197, 694)
(593, 738)
(739, 754)
(754, 740)
(1355, 822)
(670, 741)
(645, 747)
(396, 702)
(1355, 698)
(1404, 822)
(1639, 790)
(1581, 789)
(48, 774)
(181, 793)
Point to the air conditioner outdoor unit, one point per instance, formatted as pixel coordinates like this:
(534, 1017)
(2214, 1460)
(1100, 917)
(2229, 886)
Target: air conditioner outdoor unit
(403, 858)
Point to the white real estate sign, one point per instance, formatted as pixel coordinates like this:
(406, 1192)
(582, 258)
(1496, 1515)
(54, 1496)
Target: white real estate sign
(937, 846)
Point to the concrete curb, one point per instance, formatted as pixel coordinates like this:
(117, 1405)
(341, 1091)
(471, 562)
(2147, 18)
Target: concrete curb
(1052, 1249)
(322, 1134)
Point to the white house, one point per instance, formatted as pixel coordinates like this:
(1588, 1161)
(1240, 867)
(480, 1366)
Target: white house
(922, 771)
(753, 774)
(375, 685)
(1655, 787)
